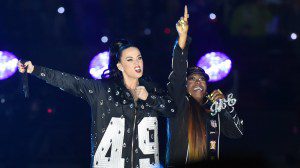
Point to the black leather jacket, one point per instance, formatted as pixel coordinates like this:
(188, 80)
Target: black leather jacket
(124, 133)
(226, 122)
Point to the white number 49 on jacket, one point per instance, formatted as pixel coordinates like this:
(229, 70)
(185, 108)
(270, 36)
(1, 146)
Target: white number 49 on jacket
(114, 137)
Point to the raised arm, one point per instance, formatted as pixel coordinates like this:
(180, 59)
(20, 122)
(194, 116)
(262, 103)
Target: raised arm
(177, 78)
(70, 83)
(182, 27)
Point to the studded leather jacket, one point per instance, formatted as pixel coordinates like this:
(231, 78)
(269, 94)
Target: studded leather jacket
(124, 133)
(226, 122)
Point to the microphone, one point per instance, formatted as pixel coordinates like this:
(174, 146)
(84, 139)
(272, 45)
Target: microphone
(221, 104)
(24, 77)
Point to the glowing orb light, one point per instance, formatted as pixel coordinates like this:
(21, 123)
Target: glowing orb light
(8, 64)
(98, 64)
(61, 10)
(216, 64)
(104, 39)
(212, 16)
(294, 36)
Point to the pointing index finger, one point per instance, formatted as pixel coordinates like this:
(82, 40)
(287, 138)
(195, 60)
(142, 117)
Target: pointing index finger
(186, 14)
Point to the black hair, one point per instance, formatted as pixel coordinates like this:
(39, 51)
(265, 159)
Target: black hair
(115, 52)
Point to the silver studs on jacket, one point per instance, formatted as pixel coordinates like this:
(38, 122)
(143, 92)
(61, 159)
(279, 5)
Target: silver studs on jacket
(153, 97)
(131, 105)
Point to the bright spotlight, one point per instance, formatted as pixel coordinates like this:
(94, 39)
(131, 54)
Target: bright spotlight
(8, 64)
(294, 36)
(61, 10)
(104, 39)
(98, 64)
(212, 16)
(216, 64)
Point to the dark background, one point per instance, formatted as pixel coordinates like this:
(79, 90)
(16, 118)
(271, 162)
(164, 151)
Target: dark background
(254, 33)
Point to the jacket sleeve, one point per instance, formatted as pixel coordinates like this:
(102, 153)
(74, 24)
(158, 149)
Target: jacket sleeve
(162, 103)
(78, 86)
(177, 78)
(231, 124)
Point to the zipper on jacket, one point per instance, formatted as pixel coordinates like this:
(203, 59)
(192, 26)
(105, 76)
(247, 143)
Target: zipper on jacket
(133, 134)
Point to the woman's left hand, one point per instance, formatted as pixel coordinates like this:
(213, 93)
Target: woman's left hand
(217, 95)
(141, 92)
(182, 26)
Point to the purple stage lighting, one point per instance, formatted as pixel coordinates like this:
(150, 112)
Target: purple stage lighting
(98, 64)
(216, 64)
(8, 64)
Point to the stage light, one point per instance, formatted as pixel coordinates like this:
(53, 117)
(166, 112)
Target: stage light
(61, 10)
(49, 110)
(216, 64)
(98, 64)
(167, 30)
(212, 16)
(147, 31)
(104, 39)
(8, 64)
(294, 36)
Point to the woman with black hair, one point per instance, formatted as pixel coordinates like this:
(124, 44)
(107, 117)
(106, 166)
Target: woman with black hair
(195, 131)
(124, 108)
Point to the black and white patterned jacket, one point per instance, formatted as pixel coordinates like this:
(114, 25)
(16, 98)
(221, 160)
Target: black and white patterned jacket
(123, 133)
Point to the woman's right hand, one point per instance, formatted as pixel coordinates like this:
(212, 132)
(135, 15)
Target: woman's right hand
(27, 65)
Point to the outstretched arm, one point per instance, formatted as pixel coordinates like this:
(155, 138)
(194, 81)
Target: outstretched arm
(70, 83)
